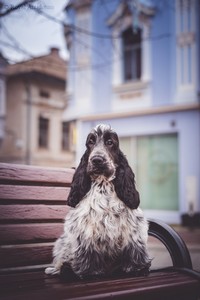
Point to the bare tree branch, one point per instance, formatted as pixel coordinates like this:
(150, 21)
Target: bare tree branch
(13, 8)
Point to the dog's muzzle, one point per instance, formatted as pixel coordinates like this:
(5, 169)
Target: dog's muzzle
(100, 165)
(97, 165)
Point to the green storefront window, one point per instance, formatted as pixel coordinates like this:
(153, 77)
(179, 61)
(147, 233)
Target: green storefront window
(155, 162)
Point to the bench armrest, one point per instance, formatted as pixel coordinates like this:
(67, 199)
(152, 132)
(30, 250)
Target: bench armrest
(173, 242)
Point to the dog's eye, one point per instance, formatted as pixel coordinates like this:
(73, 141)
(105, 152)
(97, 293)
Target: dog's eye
(109, 142)
(91, 142)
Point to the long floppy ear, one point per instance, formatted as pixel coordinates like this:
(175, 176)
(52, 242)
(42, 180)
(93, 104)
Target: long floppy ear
(124, 183)
(81, 182)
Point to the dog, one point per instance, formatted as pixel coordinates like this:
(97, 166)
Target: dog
(105, 231)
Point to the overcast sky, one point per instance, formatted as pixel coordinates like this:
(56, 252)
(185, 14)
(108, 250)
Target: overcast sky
(31, 32)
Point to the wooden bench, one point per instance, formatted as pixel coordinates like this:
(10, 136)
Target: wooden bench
(32, 209)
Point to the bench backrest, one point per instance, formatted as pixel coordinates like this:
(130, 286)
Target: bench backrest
(32, 211)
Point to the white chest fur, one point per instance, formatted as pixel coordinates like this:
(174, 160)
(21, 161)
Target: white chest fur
(102, 220)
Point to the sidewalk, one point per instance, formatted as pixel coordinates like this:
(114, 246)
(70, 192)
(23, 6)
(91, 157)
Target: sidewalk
(192, 239)
(160, 255)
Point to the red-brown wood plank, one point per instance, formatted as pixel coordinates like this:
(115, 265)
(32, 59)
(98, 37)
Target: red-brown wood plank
(159, 277)
(35, 174)
(25, 255)
(33, 212)
(18, 233)
(33, 192)
(160, 286)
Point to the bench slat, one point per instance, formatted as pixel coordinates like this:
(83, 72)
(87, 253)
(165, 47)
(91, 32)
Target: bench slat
(18, 233)
(100, 284)
(155, 286)
(26, 255)
(39, 193)
(35, 174)
(33, 212)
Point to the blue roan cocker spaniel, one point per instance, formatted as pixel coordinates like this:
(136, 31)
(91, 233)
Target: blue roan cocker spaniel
(105, 232)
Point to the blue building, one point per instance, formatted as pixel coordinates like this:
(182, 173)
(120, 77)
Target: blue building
(135, 65)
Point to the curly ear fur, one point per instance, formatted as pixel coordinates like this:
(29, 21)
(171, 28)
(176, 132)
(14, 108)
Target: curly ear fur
(81, 182)
(124, 183)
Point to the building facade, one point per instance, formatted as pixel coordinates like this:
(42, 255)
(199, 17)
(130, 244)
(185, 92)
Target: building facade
(35, 132)
(135, 65)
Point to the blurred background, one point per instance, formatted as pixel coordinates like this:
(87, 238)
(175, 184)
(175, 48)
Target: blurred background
(66, 66)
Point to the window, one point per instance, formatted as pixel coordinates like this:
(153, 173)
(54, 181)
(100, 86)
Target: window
(65, 136)
(43, 132)
(158, 171)
(155, 162)
(132, 54)
(185, 28)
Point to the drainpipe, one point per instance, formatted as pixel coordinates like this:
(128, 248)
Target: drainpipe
(28, 122)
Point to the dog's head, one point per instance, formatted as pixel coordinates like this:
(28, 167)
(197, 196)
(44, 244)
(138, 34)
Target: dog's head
(104, 158)
(103, 147)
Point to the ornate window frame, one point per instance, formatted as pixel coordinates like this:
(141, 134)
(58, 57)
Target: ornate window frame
(119, 21)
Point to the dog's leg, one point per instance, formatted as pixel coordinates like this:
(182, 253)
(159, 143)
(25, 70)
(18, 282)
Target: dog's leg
(67, 274)
(88, 263)
(135, 260)
(60, 256)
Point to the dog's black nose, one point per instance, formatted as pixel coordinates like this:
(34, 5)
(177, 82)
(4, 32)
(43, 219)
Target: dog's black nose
(97, 160)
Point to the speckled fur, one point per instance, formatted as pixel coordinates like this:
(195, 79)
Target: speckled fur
(101, 233)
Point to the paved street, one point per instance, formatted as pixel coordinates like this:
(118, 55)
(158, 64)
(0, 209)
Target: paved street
(161, 257)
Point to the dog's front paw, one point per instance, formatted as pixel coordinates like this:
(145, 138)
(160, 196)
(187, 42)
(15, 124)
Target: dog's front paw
(51, 271)
(67, 274)
(136, 271)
